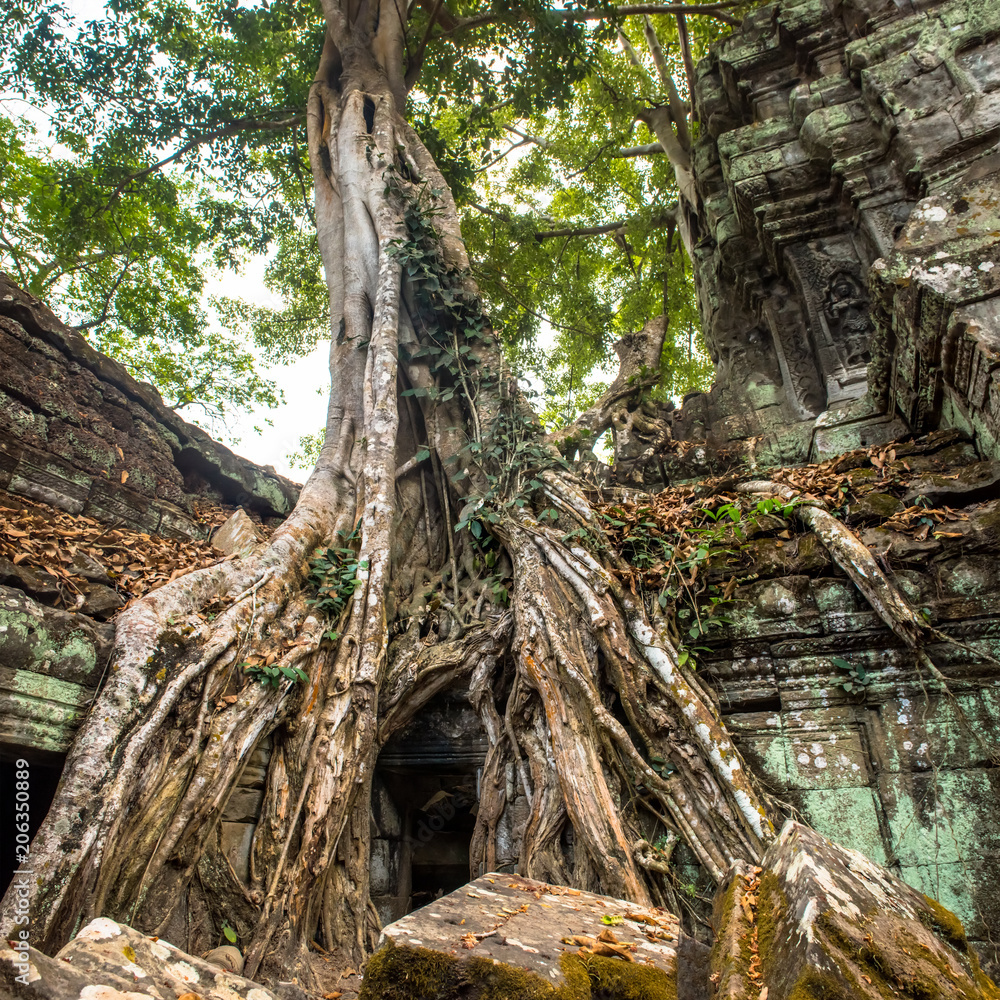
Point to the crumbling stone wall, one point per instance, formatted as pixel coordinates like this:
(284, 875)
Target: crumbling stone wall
(79, 433)
(846, 233)
(844, 726)
(79, 436)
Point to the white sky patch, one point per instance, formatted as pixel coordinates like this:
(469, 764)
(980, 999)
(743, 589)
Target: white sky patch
(268, 436)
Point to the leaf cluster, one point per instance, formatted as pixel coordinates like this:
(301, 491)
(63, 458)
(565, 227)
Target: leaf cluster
(333, 578)
(858, 678)
(271, 675)
(449, 317)
(179, 151)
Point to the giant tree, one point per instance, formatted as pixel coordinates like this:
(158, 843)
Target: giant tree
(432, 459)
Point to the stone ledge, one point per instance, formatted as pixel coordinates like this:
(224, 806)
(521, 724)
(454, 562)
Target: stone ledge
(506, 935)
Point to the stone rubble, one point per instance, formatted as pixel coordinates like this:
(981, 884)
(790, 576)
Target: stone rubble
(109, 961)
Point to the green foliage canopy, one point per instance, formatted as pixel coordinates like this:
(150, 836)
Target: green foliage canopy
(175, 150)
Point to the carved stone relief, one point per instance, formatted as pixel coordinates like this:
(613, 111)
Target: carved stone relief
(829, 274)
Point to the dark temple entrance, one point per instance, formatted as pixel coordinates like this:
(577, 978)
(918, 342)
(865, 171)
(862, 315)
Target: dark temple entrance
(44, 771)
(424, 807)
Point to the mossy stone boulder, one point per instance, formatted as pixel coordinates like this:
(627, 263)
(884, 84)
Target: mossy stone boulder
(505, 936)
(816, 921)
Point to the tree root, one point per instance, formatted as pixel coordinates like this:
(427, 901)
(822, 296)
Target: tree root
(587, 709)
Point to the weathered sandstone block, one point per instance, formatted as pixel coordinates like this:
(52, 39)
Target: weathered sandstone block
(816, 921)
(109, 961)
(509, 936)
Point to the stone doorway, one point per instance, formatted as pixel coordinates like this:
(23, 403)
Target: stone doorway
(44, 771)
(424, 807)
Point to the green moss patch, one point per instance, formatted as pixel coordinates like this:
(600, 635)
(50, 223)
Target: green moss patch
(404, 973)
(614, 979)
(945, 924)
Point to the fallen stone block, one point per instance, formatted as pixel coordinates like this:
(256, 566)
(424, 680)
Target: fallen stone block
(109, 961)
(238, 536)
(509, 936)
(816, 921)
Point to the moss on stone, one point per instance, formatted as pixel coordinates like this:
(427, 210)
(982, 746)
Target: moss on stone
(874, 507)
(771, 902)
(617, 980)
(484, 979)
(900, 964)
(731, 969)
(945, 924)
(400, 972)
(395, 973)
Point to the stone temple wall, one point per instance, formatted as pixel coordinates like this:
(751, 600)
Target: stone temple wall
(79, 433)
(847, 226)
(895, 768)
(847, 261)
(80, 437)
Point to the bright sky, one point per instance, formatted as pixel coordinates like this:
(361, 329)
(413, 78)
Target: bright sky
(305, 383)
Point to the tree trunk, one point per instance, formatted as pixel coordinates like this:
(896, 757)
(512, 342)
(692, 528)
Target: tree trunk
(578, 688)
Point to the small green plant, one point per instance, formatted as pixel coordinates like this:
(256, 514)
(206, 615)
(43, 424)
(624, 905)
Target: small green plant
(859, 677)
(333, 573)
(661, 766)
(273, 675)
(230, 935)
(685, 655)
(727, 510)
(499, 590)
(512, 453)
(665, 842)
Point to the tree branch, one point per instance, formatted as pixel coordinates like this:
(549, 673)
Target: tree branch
(682, 33)
(296, 166)
(107, 298)
(653, 149)
(611, 227)
(711, 9)
(234, 128)
(496, 159)
(492, 213)
(639, 368)
(537, 140)
(539, 316)
(678, 111)
(585, 231)
(656, 51)
(418, 60)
